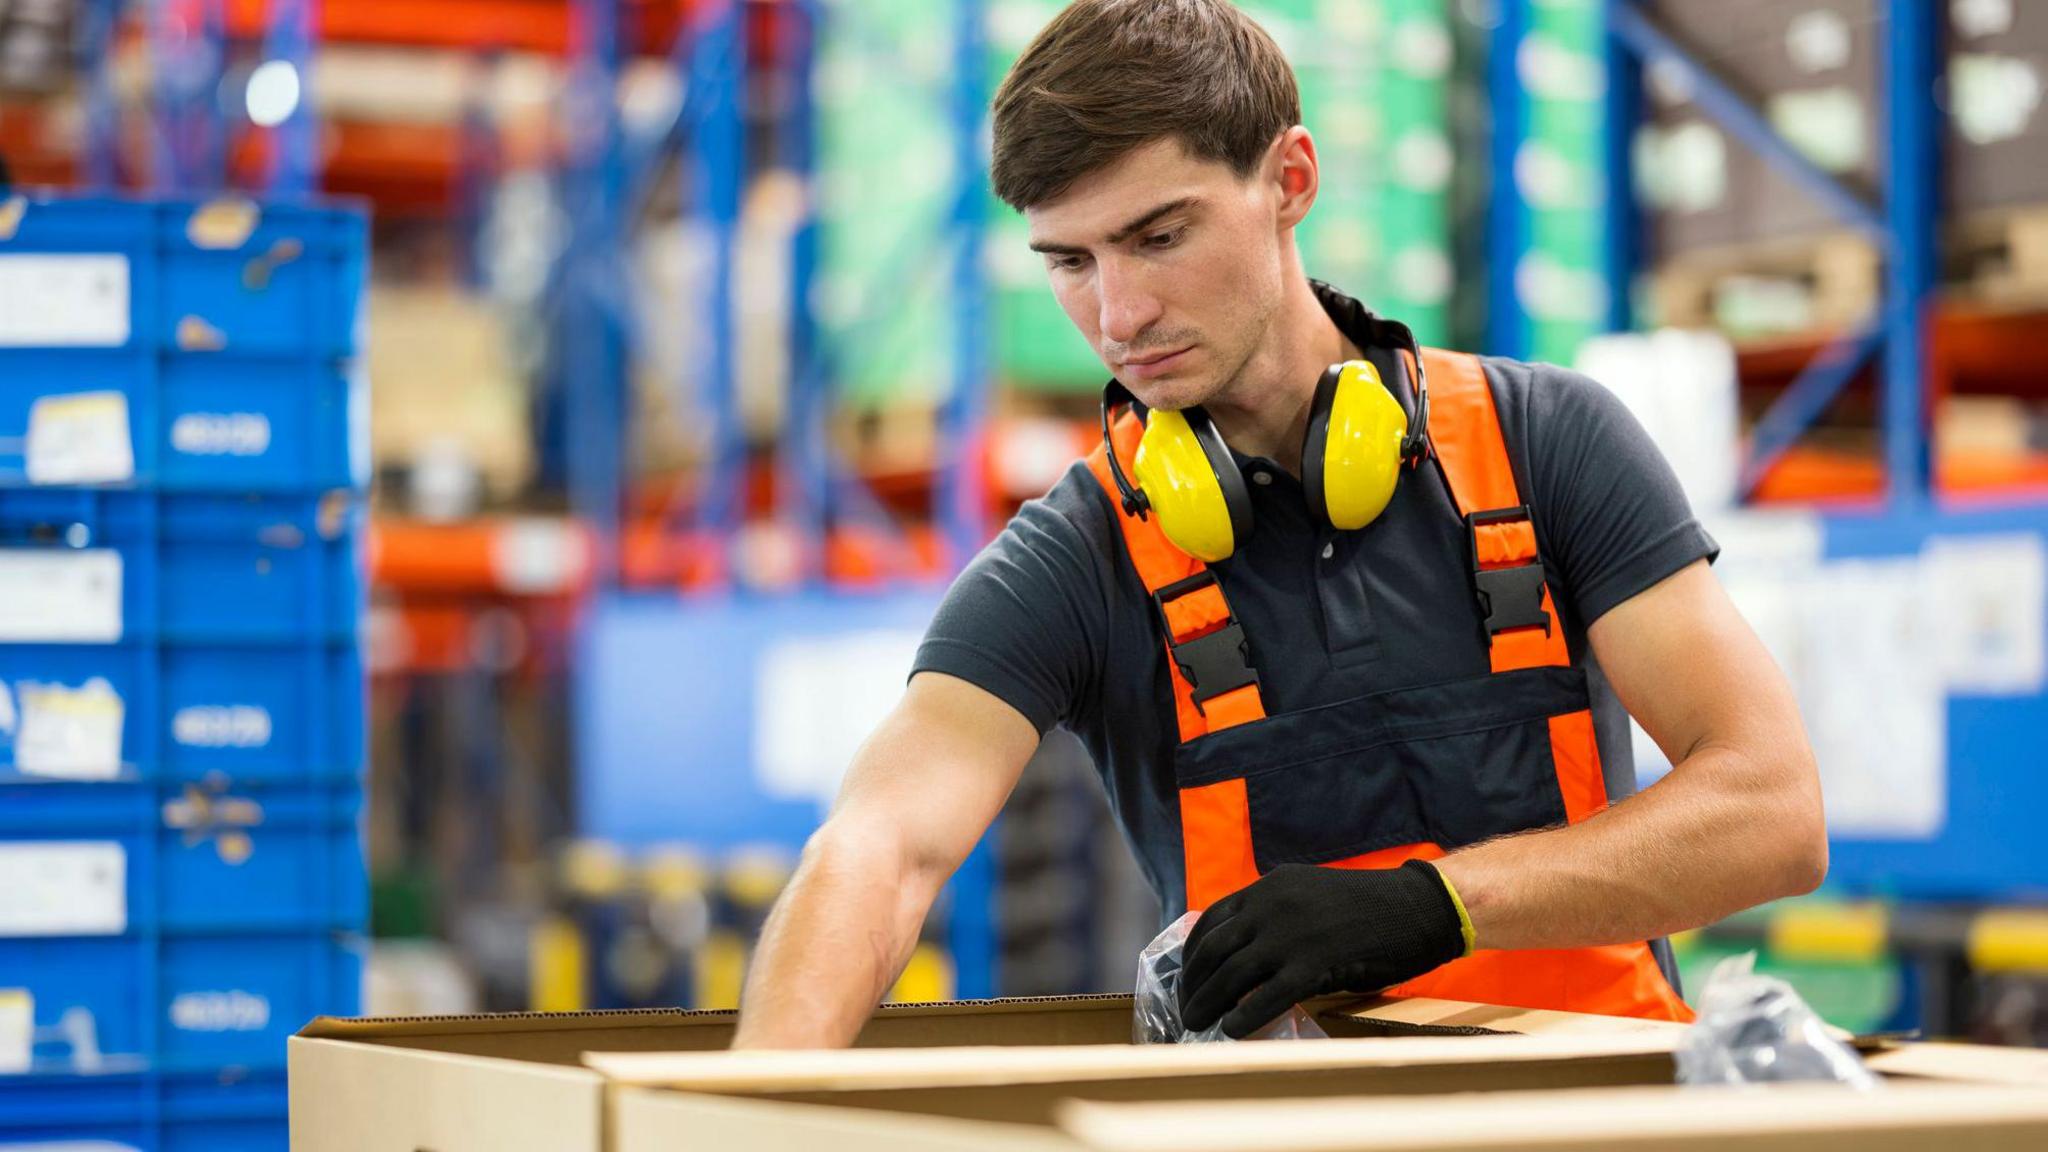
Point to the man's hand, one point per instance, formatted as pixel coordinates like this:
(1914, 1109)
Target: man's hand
(1303, 931)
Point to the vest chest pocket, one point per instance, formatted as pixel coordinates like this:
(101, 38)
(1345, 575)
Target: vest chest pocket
(1448, 764)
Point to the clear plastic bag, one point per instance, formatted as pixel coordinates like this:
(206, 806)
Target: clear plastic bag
(1157, 1016)
(1755, 1029)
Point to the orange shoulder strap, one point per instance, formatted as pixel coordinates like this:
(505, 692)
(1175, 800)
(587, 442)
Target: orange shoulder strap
(1204, 641)
(1465, 435)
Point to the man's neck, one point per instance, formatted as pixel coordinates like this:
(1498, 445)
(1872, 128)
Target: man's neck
(1264, 412)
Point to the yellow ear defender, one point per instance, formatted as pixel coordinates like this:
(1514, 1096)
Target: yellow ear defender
(1357, 439)
(1351, 455)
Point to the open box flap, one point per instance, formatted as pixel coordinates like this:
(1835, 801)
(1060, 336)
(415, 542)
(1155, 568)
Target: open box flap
(803, 1071)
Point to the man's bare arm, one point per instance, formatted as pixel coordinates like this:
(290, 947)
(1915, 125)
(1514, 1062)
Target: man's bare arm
(1737, 822)
(918, 796)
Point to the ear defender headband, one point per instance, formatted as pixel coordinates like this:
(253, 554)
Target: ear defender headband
(1357, 440)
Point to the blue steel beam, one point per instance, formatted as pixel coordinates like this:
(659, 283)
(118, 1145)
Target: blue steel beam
(962, 512)
(188, 53)
(962, 432)
(1912, 157)
(1507, 213)
(807, 481)
(292, 167)
(1622, 219)
(718, 166)
(1728, 108)
(1805, 399)
(97, 22)
(590, 328)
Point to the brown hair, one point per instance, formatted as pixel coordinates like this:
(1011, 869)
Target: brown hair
(1108, 76)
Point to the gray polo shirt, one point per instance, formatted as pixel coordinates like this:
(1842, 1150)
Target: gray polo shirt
(1052, 619)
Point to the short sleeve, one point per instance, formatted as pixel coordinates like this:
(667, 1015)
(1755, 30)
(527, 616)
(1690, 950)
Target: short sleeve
(1611, 514)
(1027, 619)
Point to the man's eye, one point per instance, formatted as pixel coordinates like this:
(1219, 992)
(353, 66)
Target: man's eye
(1068, 263)
(1160, 240)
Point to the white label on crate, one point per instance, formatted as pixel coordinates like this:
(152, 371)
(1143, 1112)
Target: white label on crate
(221, 726)
(63, 301)
(1991, 595)
(63, 888)
(230, 1011)
(816, 700)
(17, 1029)
(1875, 704)
(221, 434)
(70, 733)
(53, 596)
(80, 438)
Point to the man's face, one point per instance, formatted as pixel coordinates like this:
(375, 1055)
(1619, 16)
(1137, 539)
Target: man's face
(1169, 265)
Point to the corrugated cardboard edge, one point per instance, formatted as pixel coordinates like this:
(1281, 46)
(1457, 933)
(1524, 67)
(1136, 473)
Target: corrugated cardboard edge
(1422, 1014)
(802, 1071)
(1904, 1115)
(364, 1027)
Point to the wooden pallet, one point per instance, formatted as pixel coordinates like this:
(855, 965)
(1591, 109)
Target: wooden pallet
(1817, 283)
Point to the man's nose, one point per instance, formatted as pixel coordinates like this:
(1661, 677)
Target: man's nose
(1127, 304)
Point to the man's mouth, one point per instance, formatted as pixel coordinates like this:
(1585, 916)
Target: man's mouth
(1143, 367)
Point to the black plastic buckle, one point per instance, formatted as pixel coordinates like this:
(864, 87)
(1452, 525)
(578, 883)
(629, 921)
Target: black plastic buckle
(1215, 662)
(1510, 597)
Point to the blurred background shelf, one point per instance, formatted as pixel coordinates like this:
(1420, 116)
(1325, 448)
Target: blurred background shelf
(700, 356)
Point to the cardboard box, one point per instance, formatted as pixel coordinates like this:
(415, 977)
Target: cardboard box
(1007, 1075)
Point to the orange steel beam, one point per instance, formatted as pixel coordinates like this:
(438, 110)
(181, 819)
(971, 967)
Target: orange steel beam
(499, 556)
(487, 25)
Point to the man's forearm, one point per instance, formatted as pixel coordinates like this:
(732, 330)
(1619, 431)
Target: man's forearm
(1710, 839)
(833, 946)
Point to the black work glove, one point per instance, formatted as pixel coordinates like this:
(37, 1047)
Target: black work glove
(1303, 931)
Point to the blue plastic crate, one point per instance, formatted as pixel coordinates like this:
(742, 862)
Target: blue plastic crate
(205, 568)
(229, 341)
(227, 1111)
(249, 714)
(265, 279)
(182, 1003)
(202, 859)
(202, 423)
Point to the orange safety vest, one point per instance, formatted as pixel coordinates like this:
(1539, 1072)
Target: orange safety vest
(1532, 693)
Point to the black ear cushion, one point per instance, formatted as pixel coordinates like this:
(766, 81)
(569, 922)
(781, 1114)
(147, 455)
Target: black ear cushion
(1315, 439)
(1228, 478)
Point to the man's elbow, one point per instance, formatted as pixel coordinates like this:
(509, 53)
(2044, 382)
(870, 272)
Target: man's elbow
(1803, 830)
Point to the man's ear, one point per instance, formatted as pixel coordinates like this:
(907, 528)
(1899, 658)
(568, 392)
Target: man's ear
(1296, 173)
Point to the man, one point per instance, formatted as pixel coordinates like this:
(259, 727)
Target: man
(1431, 704)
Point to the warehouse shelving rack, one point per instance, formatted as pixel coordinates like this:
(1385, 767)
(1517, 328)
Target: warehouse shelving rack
(605, 187)
(1902, 226)
(1986, 849)
(191, 137)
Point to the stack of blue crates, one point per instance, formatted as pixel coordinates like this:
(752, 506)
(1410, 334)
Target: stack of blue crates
(182, 466)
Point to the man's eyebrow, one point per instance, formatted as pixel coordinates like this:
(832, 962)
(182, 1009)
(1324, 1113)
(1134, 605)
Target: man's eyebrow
(1150, 218)
(1124, 233)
